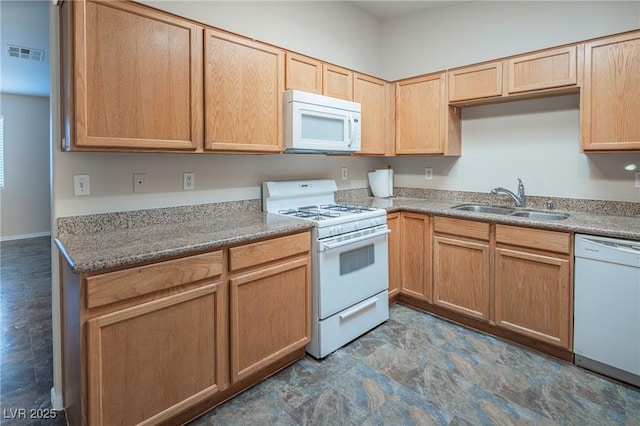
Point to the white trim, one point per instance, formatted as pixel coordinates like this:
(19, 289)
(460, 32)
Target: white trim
(56, 400)
(25, 236)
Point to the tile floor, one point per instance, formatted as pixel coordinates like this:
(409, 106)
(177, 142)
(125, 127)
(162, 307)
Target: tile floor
(414, 369)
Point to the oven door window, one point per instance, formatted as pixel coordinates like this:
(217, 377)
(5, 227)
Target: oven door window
(357, 259)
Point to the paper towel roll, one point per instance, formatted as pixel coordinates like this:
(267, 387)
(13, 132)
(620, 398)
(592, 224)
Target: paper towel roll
(381, 182)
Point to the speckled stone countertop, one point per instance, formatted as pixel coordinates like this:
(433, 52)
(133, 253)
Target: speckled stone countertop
(93, 250)
(103, 241)
(625, 227)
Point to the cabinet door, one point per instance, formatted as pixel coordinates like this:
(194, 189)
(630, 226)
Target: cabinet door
(137, 80)
(610, 100)
(151, 361)
(475, 82)
(270, 315)
(533, 295)
(371, 93)
(416, 256)
(303, 73)
(244, 81)
(393, 222)
(337, 82)
(425, 124)
(544, 70)
(461, 275)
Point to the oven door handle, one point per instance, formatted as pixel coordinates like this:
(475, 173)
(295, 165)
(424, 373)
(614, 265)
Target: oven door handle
(330, 246)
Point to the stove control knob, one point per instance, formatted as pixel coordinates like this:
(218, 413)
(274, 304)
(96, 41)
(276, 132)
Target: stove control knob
(356, 225)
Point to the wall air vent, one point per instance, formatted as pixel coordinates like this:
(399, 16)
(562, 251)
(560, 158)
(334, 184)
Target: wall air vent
(25, 52)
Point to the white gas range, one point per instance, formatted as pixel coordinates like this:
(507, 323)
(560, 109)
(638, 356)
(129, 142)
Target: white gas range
(350, 260)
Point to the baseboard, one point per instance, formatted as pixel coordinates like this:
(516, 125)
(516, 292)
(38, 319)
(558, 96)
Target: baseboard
(26, 236)
(56, 400)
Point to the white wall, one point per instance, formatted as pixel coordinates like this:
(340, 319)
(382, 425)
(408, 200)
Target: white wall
(536, 140)
(334, 31)
(25, 198)
(483, 30)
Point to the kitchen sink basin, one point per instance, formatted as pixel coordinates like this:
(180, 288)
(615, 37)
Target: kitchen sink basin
(480, 208)
(505, 211)
(540, 215)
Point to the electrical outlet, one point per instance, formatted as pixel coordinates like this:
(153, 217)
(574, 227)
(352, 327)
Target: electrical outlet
(637, 179)
(345, 173)
(81, 185)
(139, 182)
(428, 173)
(188, 181)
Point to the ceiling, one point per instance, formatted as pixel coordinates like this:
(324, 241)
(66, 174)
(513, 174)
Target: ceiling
(25, 23)
(393, 9)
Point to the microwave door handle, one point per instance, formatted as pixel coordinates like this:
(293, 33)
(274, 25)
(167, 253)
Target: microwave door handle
(350, 130)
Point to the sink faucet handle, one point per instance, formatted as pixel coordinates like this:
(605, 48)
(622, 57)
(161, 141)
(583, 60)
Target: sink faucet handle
(520, 188)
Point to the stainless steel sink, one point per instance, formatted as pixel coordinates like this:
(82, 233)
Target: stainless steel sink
(540, 215)
(480, 208)
(505, 211)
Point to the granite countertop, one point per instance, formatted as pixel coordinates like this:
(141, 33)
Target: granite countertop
(625, 227)
(112, 248)
(99, 242)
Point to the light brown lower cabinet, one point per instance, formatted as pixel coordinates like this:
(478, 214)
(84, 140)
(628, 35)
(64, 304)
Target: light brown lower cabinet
(461, 264)
(164, 342)
(415, 255)
(269, 318)
(533, 290)
(510, 281)
(150, 361)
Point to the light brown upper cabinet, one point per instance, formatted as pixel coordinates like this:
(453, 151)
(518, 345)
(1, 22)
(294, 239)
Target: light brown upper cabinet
(543, 70)
(132, 78)
(475, 82)
(610, 101)
(303, 73)
(244, 81)
(425, 123)
(373, 96)
(337, 82)
(518, 77)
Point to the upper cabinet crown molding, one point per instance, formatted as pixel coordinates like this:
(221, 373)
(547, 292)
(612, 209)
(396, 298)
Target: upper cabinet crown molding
(610, 101)
(133, 78)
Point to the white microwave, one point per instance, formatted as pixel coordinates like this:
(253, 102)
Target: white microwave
(320, 124)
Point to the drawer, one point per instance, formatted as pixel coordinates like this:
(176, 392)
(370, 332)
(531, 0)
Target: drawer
(461, 227)
(559, 242)
(343, 327)
(121, 285)
(269, 250)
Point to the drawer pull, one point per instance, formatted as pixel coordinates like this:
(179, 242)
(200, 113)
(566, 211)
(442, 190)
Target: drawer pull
(351, 312)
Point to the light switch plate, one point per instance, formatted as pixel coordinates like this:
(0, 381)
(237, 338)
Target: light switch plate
(637, 179)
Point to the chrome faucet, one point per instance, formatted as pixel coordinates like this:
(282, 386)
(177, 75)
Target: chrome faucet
(519, 199)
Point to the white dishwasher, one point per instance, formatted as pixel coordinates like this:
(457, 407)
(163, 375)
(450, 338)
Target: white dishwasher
(606, 333)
